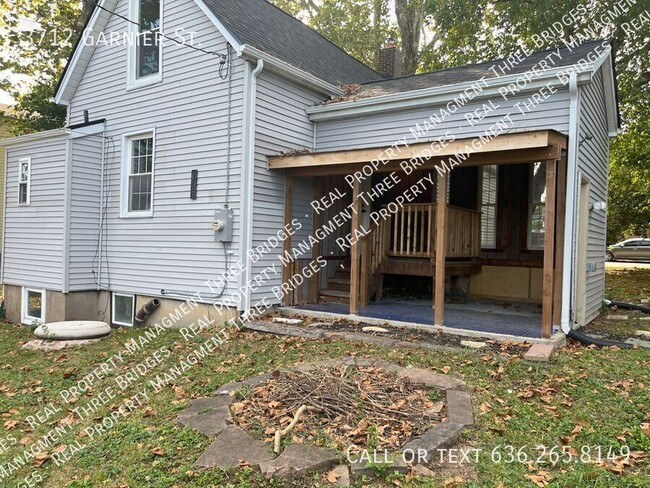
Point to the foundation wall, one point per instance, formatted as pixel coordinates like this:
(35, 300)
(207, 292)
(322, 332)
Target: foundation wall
(507, 283)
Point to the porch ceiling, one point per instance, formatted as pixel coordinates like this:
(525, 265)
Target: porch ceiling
(502, 149)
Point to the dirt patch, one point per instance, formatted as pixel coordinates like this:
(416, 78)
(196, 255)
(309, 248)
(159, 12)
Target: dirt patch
(368, 407)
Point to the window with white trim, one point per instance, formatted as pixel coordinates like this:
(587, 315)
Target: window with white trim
(33, 307)
(137, 174)
(537, 206)
(490, 179)
(146, 52)
(123, 309)
(24, 181)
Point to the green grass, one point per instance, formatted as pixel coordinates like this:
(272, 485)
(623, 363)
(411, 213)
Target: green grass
(585, 397)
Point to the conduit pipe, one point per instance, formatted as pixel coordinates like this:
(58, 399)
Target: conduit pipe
(570, 217)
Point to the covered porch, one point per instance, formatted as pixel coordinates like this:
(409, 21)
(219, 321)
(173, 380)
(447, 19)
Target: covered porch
(426, 197)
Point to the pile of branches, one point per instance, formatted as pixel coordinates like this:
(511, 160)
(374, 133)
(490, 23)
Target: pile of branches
(339, 407)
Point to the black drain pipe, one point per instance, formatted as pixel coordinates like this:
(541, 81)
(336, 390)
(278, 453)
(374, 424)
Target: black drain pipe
(627, 306)
(588, 341)
(146, 310)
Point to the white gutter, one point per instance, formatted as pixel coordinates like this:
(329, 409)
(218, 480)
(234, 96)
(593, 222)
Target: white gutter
(101, 212)
(437, 95)
(247, 181)
(291, 72)
(4, 218)
(570, 217)
(66, 217)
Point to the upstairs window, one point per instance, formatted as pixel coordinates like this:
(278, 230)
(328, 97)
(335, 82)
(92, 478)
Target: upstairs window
(537, 206)
(489, 182)
(137, 175)
(146, 51)
(24, 181)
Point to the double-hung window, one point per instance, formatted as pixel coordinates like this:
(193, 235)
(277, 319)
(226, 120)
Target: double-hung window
(146, 51)
(137, 175)
(537, 206)
(24, 181)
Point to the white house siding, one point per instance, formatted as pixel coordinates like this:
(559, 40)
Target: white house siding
(281, 124)
(593, 162)
(85, 191)
(176, 248)
(33, 242)
(380, 130)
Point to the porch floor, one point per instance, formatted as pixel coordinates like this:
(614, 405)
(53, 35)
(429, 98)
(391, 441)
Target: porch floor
(517, 319)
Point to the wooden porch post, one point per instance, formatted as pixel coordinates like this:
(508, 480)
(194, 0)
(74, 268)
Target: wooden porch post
(559, 240)
(549, 249)
(288, 204)
(314, 282)
(441, 251)
(354, 269)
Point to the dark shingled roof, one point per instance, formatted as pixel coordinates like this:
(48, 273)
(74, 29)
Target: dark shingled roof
(469, 73)
(267, 28)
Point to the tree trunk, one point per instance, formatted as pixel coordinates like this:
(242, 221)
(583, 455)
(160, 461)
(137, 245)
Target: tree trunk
(410, 17)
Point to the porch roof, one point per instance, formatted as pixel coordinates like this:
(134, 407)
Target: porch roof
(501, 149)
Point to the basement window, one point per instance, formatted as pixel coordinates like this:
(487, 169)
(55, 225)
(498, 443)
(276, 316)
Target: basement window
(24, 181)
(123, 309)
(537, 206)
(490, 178)
(33, 307)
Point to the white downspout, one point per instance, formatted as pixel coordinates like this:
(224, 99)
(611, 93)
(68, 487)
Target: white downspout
(248, 177)
(570, 219)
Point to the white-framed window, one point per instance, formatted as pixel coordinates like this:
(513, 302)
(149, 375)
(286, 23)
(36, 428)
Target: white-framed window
(33, 306)
(123, 309)
(537, 206)
(489, 183)
(145, 48)
(138, 175)
(24, 181)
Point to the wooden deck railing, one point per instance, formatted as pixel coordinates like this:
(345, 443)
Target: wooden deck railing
(414, 229)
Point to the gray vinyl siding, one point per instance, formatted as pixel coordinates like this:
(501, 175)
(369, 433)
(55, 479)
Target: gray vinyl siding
(175, 249)
(33, 245)
(593, 162)
(281, 124)
(85, 191)
(379, 130)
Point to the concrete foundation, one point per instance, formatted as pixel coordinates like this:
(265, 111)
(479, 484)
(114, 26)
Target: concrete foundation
(96, 305)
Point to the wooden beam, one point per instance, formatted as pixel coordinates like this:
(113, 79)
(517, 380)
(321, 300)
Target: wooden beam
(549, 249)
(288, 206)
(314, 287)
(435, 149)
(441, 247)
(354, 251)
(560, 231)
(500, 157)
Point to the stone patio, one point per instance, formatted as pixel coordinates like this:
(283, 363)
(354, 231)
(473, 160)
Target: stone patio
(233, 447)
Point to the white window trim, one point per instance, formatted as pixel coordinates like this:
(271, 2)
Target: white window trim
(125, 295)
(28, 319)
(22, 161)
(132, 80)
(125, 172)
(529, 221)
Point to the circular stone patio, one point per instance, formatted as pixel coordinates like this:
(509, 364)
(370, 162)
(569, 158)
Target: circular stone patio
(234, 447)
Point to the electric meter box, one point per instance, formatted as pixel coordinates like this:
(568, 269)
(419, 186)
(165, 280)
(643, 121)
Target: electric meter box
(222, 225)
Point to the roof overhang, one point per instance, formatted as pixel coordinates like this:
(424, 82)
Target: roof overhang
(505, 148)
(36, 136)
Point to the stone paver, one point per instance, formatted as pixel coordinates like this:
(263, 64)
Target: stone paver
(441, 436)
(638, 342)
(209, 421)
(421, 470)
(459, 408)
(539, 352)
(232, 448)
(297, 460)
(287, 330)
(47, 346)
(643, 333)
(617, 317)
(393, 463)
(342, 472)
(372, 328)
(644, 301)
(249, 383)
(202, 405)
(284, 320)
(429, 378)
(473, 344)
(645, 319)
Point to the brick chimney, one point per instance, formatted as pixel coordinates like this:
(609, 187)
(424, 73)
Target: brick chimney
(390, 60)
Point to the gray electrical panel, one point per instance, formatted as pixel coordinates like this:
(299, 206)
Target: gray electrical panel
(222, 225)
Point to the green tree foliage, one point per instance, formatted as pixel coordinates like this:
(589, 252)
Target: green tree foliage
(36, 50)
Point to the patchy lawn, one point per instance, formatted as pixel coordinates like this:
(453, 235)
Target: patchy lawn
(585, 398)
